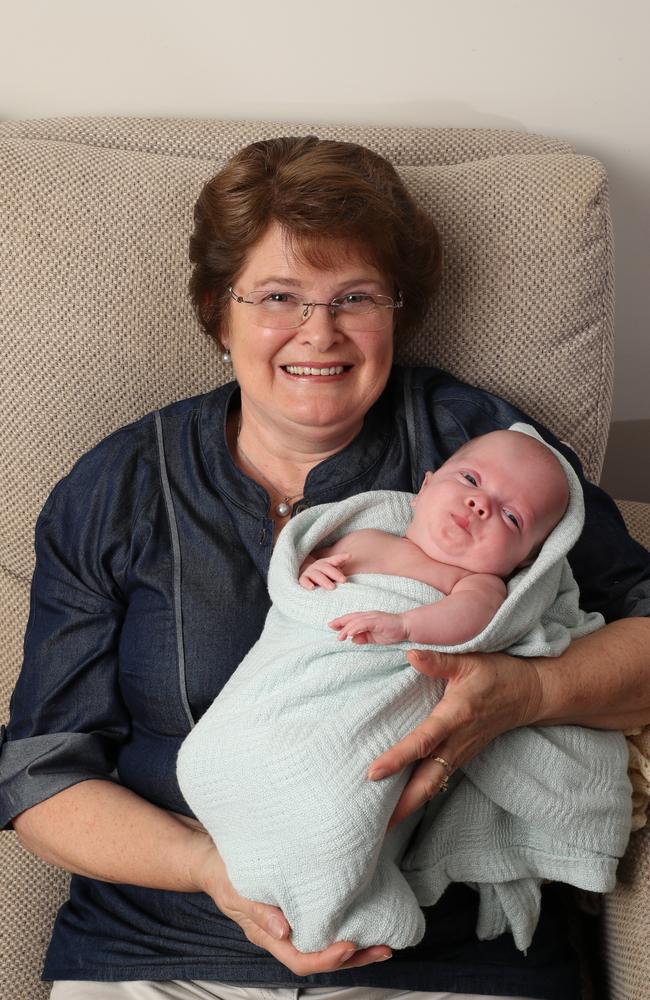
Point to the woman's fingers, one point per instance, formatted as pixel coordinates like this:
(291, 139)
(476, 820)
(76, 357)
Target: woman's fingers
(269, 919)
(419, 743)
(365, 956)
(486, 694)
(428, 778)
(341, 954)
(436, 728)
(267, 927)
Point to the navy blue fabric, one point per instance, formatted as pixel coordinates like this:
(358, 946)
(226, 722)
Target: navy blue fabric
(101, 694)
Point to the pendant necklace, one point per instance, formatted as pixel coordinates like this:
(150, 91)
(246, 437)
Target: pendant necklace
(284, 507)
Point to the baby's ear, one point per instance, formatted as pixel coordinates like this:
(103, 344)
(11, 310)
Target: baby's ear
(531, 557)
(427, 477)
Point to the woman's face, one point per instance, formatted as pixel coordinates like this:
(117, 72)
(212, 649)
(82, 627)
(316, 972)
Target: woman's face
(322, 406)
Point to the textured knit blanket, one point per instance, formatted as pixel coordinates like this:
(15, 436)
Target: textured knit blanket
(276, 768)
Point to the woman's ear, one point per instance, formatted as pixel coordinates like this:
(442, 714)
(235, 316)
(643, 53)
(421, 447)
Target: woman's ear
(224, 332)
(222, 335)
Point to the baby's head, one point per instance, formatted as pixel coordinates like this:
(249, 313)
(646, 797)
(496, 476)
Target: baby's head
(491, 506)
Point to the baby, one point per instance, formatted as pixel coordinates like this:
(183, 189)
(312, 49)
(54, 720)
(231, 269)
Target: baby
(276, 770)
(483, 514)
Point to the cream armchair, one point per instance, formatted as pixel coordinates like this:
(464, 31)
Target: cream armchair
(97, 330)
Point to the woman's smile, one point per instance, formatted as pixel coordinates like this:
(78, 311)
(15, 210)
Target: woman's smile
(316, 371)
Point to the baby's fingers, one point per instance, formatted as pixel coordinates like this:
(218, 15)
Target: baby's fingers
(339, 623)
(348, 625)
(315, 578)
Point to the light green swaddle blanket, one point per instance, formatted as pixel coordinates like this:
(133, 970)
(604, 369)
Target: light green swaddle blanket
(276, 768)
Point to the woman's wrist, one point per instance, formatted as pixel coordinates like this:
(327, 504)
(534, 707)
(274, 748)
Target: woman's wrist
(204, 863)
(601, 680)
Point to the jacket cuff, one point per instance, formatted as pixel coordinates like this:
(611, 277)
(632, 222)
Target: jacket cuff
(34, 769)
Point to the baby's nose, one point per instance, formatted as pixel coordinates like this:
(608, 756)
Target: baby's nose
(479, 505)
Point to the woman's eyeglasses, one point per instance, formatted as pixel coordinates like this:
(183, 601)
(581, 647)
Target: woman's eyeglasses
(354, 312)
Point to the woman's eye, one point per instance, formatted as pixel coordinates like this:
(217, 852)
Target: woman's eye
(470, 478)
(355, 298)
(512, 517)
(279, 298)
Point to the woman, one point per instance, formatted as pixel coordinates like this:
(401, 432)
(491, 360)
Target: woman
(309, 258)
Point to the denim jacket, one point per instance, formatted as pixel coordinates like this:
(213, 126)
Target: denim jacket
(150, 587)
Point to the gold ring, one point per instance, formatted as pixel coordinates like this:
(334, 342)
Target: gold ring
(445, 763)
(444, 784)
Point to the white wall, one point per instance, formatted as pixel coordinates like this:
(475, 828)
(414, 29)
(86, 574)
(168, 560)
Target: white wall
(572, 68)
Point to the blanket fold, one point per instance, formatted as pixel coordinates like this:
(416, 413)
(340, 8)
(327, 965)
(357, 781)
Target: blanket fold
(276, 768)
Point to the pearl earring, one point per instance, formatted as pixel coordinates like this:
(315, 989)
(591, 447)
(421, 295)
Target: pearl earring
(226, 358)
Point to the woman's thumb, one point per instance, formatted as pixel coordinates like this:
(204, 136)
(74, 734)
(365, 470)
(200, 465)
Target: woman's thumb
(434, 664)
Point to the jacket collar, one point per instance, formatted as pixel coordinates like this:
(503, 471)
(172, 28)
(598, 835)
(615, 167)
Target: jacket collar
(349, 471)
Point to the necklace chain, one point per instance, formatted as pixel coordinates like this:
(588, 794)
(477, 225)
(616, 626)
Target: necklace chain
(284, 507)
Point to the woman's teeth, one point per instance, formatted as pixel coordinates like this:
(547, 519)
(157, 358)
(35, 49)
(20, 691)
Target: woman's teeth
(299, 370)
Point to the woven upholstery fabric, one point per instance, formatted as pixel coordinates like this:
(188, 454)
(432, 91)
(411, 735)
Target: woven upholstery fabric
(625, 924)
(525, 307)
(96, 328)
(30, 894)
(14, 601)
(220, 139)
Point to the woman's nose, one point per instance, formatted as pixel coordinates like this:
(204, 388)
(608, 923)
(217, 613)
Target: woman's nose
(479, 505)
(320, 330)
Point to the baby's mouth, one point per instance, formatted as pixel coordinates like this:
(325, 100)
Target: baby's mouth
(462, 522)
(325, 370)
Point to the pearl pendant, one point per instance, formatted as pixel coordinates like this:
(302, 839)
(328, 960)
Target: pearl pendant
(282, 508)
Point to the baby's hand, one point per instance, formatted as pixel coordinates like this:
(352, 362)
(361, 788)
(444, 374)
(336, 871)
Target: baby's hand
(324, 572)
(376, 627)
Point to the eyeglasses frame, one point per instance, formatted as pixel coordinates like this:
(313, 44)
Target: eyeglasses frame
(308, 307)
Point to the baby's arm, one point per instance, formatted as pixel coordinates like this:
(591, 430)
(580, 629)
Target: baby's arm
(459, 616)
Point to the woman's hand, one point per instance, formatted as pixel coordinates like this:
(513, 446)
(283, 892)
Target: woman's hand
(266, 926)
(487, 694)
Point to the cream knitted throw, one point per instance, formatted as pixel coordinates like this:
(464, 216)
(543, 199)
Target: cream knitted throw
(275, 769)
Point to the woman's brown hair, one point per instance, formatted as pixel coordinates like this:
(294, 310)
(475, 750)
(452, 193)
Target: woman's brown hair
(323, 193)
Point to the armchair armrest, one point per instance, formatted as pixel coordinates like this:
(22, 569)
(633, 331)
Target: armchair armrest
(626, 911)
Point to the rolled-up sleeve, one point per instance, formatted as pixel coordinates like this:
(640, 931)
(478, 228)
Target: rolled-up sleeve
(67, 716)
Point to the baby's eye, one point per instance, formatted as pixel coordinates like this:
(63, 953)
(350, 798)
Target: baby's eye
(512, 517)
(470, 478)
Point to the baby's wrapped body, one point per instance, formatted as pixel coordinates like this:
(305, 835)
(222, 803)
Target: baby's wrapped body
(276, 769)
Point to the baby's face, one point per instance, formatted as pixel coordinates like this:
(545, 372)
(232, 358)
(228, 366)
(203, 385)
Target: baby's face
(491, 505)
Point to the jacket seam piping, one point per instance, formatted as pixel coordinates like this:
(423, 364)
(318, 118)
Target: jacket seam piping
(176, 568)
(409, 413)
